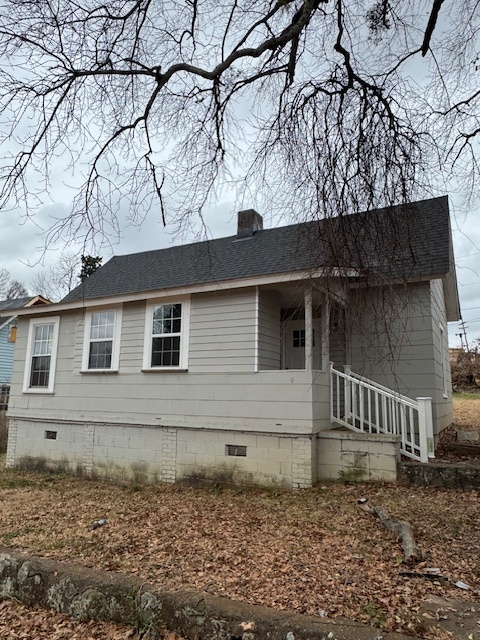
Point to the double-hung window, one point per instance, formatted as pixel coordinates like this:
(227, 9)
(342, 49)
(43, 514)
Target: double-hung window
(166, 335)
(41, 355)
(102, 340)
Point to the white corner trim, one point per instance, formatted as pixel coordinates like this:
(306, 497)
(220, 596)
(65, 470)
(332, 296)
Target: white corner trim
(256, 341)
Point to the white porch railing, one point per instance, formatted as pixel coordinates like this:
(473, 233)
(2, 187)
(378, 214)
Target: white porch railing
(366, 406)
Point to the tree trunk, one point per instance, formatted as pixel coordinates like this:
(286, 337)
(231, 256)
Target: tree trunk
(402, 529)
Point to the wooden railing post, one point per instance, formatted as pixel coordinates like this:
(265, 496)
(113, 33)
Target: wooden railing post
(332, 413)
(347, 401)
(425, 426)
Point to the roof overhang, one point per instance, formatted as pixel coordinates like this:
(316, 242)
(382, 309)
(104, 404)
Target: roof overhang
(188, 290)
(452, 301)
(7, 321)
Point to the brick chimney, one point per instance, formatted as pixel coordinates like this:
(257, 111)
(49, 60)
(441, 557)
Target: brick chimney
(249, 221)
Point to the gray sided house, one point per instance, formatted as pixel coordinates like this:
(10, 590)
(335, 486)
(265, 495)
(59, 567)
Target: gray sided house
(274, 356)
(8, 332)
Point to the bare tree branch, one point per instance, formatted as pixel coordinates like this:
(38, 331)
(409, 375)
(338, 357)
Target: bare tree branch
(307, 103)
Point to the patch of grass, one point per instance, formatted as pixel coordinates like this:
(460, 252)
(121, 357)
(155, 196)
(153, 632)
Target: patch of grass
(15, 482)
(374, 613)
(463, 395)
(8, 537)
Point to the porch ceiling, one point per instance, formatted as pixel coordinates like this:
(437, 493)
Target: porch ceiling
(292, 295)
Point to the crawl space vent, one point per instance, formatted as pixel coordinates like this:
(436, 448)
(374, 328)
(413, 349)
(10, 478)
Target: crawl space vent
(50, 435)
(238, 450)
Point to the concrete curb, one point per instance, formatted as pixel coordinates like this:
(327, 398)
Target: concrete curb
(99, 595)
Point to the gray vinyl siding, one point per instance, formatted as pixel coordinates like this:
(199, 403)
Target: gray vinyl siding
(132, 339)
(268, 330)
(392, 335)
(268, 401)
(222, 332)
(337, 338)
(7, 350)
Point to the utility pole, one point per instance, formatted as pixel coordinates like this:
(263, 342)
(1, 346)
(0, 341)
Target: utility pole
(463, 334)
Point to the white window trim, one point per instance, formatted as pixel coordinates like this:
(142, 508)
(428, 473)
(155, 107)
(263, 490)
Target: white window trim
(117, 333)
(184, 334)
(55, 320)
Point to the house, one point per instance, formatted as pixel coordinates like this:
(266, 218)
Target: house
(273, 356)
(8, 332)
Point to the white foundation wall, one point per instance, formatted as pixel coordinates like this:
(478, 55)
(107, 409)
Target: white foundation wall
(270, 460)
(29, 445)
(357, 457)
(145, 454)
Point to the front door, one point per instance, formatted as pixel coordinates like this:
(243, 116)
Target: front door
(294, 344)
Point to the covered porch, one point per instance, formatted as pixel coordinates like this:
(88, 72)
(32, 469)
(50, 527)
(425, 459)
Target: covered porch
(308, 322)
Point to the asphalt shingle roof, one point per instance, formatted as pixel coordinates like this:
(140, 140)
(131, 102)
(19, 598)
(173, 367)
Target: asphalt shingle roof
(14, 303)
(407, 241)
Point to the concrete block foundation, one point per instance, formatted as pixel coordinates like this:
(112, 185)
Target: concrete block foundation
(148, 454)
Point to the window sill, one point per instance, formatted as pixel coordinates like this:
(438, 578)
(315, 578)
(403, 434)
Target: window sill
(96, 371)
(42, 392)
(162, 369)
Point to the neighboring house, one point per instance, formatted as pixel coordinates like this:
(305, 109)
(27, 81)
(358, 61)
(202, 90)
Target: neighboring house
(212, 360)
(8, 332)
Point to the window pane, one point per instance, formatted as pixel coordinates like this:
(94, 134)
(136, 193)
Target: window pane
(167, 319)
(298, 336)
(100, 356)
(103, 323)
(42, 341)
(166, 352)
(162, 326)
(40, 373)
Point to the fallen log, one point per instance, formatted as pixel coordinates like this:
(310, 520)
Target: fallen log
(402, 529)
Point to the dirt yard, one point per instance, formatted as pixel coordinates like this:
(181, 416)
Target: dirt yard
(466, 408)
(312, 551)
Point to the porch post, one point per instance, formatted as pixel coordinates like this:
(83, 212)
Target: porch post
(325, 333)
(308, 329)
(425, 427)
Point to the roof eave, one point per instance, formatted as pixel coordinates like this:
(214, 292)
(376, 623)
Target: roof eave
(187, 290)
(7, 321)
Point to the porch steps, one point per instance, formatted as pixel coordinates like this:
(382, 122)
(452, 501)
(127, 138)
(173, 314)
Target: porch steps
(364, 406)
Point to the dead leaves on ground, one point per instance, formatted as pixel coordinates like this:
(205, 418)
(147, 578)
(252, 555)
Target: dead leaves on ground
(19, 623)
(311, 551)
